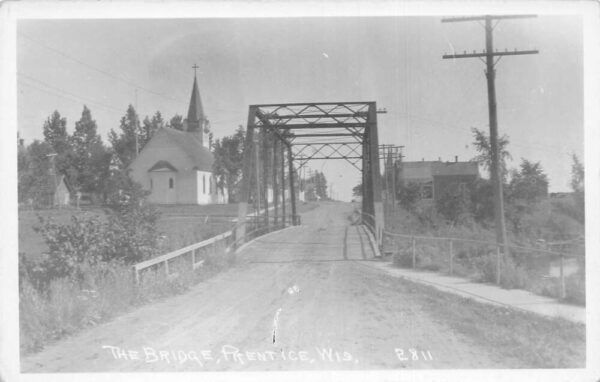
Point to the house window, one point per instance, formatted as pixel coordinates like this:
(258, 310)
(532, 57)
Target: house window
(151, 184)
(171, 183)
(427, 190)
(204, 184)
(210, 187)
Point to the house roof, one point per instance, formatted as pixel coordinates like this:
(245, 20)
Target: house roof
(438, 168)
(162, 164)
(49, 183)
(456, 168)
(190, 143)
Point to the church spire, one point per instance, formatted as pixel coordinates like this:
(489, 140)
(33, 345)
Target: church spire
(195, 117)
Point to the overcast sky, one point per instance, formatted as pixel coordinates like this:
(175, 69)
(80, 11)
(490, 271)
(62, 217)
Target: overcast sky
(431, 103)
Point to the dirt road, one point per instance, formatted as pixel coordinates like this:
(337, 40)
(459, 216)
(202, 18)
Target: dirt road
(298, 299)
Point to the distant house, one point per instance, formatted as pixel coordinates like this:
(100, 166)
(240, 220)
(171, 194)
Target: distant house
(55, 191)
(176, 166)
(435, 178)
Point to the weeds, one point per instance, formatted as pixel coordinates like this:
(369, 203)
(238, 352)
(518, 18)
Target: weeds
(66, 306)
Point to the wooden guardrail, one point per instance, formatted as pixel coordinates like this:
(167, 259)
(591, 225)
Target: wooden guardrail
(226, 241)
(191, 249)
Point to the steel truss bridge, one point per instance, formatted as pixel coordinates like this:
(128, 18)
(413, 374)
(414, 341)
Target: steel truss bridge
(312, 131)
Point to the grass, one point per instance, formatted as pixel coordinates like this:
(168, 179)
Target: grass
(180, 225)
(110, 289)
(477, 262)
(66, 307)
(525, 339)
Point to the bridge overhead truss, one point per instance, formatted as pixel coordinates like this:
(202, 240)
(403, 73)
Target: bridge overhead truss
(318, 131)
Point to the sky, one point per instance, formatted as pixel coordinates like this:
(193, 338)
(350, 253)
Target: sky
(432, 104)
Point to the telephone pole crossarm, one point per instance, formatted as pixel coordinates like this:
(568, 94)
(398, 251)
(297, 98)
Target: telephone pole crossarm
(485, 17)
(483, 54)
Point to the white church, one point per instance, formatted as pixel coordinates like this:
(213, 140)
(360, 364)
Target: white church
(176, 166)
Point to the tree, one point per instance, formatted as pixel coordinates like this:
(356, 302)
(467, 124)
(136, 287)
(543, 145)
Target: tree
(176, 122)
(91, 158)
(229, 156)
(455, 203)
(124, 143)
(149, 127)
(357, 190)
(55, 133)
(320, 185)
(577, 175)
(482, 201)
(34, 167)
(530, 183)
(578, 186)
(528, 186)
(408, 195)
(484, 148)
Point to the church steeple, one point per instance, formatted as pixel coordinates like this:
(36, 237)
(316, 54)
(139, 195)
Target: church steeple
(196, 120)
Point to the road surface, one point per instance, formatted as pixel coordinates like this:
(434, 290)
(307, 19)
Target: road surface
(303, 298)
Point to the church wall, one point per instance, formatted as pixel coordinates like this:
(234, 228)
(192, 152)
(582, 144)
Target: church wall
(160, 191)
(187, 188)
(186, 182)
(204, 194)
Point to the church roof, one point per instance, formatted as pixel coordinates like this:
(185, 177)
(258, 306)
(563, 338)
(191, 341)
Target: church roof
(195, 111)
(191, 145)
(162, 164)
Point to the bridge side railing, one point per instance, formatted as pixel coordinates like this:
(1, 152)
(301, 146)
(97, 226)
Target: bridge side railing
(449, 247)
(224, 242)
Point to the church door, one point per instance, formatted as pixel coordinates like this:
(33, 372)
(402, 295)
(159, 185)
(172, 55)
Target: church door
(171, 193)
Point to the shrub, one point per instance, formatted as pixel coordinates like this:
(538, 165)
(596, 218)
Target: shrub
(511, 275)
(575, 287)
(403, 256)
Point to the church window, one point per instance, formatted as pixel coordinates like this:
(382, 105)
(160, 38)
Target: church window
(171, 183)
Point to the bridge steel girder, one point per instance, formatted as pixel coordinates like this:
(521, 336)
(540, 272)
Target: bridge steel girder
(357, 120)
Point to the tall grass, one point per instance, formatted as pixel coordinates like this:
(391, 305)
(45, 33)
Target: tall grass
(65, 306)
(477, 261)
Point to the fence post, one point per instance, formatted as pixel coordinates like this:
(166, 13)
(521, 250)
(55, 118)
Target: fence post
(451, 257)
(498, 264)
(414, 253)
(563, 291)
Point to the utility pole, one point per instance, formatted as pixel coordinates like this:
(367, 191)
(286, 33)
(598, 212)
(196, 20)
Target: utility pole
(135, 126)
(489, 54)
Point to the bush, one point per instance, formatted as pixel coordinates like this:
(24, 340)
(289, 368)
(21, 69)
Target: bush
(511, 275)
(65, 305)
(575, 287)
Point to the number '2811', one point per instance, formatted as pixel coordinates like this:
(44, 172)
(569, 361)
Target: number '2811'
(413, 355)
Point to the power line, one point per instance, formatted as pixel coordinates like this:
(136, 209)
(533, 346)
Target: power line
(109, 74)
(99, 70)
(73, 96)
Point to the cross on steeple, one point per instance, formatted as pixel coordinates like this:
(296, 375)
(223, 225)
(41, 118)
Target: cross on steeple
(195, 67)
